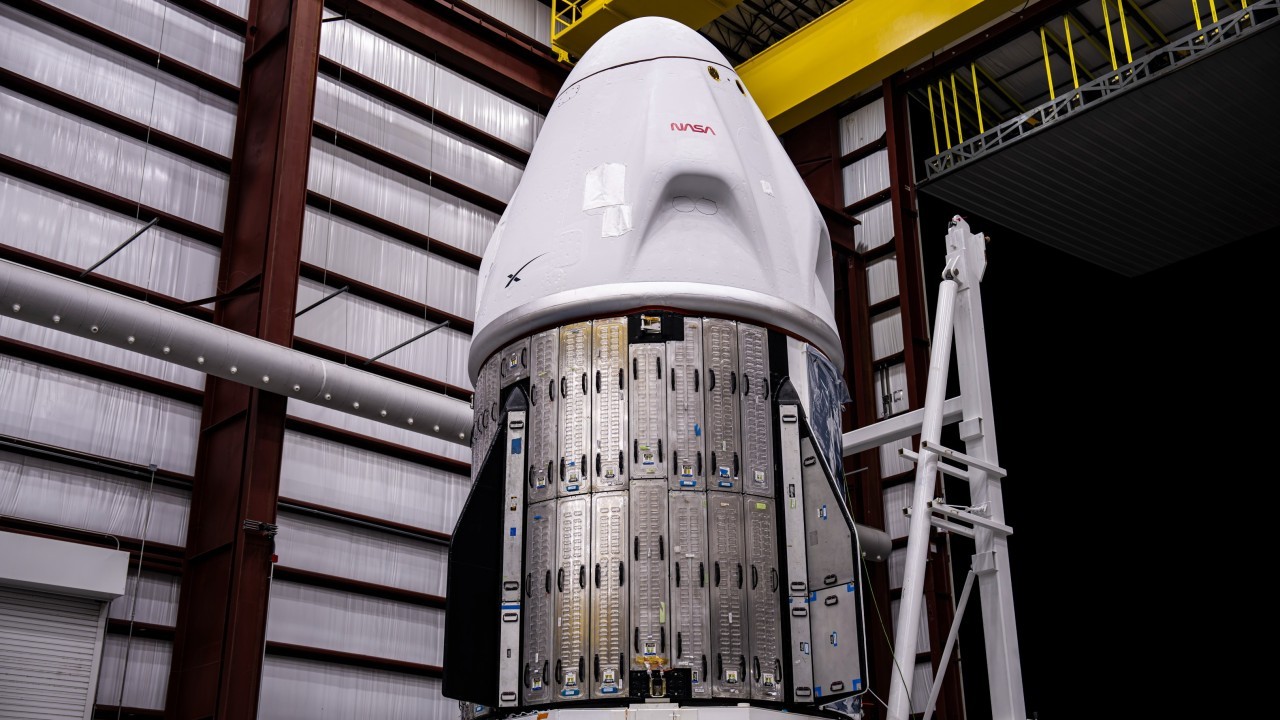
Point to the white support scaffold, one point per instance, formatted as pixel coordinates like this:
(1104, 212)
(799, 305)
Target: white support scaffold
(958, 317)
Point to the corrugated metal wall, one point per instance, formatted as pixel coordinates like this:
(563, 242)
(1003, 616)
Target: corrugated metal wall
(94, 143)
(365, 514)
(531, 18)
(411, 167)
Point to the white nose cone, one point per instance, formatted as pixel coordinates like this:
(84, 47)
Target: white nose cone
(657, 183)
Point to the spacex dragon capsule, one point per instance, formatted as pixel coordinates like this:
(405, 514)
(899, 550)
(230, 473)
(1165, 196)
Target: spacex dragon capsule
(658, 508)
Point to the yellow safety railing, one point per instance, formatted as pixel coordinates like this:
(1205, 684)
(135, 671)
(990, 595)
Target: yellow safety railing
(1012, 100)
(1111, 41)
(564, 13)
(933, 123)
(1065, 47)
(1127, 7)
(946, 126)
(1115, 21)
(1071, 52)
(1213, 13)
(977, 98)
(1048, 71)
(957, 111)
(955, 101)
(1087, 85)
(1124, 30)
(1087, 35)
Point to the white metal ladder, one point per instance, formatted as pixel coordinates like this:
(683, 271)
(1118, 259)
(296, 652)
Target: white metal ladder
(959, 315)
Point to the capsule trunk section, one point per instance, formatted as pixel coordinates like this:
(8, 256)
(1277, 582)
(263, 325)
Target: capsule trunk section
(669, 526)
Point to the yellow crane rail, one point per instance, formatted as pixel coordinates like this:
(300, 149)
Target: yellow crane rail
(577, 24)
(854, 47)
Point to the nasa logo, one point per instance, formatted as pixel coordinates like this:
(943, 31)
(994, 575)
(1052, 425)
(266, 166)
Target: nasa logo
(690, 127)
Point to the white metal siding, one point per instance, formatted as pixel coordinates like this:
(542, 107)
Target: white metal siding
(893, 463)
(49, 650)
(882, 279)
(886, 334)
(866, 177)
(875, 227)
(307, 690)
(896, 500)
(862, 126)
(143, 675)
(920, 686)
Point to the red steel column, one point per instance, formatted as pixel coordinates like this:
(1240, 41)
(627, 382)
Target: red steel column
(218, 646)
(906, 239)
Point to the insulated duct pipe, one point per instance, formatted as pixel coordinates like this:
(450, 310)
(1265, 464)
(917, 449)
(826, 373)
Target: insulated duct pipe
(73, 307)
(874, 543)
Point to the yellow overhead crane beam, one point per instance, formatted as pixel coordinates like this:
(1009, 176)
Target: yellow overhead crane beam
(854, 47)
(576, 24)
(847, 50)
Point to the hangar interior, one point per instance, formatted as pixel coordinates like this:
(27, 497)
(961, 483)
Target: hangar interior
(326, 176)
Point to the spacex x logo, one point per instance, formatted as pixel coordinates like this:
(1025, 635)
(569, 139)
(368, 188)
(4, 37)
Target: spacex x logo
(515, 276)
(690, 127)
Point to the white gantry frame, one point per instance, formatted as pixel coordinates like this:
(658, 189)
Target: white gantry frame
(959, 315)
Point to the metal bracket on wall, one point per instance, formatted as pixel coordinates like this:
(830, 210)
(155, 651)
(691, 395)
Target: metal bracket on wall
(413, 339)
(266, 529)
(137, 234)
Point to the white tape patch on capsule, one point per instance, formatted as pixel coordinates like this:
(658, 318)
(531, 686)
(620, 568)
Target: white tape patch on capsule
(603, 192)
(617, 221)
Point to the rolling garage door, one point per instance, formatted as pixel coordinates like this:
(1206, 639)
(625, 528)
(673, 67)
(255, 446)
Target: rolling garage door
(49, 650)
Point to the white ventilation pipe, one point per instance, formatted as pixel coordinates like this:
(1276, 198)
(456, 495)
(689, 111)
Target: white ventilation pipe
(78, 309)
